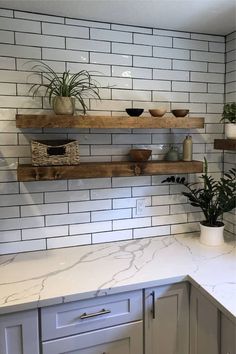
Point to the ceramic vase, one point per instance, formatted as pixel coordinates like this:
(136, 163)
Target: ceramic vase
(230, 130)
(64, 105)
(212, 236)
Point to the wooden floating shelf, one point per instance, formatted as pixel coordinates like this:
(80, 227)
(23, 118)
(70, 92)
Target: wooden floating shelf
(225, 144)
(106, 169)
(105, 122)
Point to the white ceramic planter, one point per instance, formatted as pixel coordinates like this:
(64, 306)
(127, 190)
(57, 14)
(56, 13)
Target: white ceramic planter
(211, 236)
(230, 130)
(64, 105)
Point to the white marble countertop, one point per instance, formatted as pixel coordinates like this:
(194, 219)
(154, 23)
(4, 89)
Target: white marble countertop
(36, 279)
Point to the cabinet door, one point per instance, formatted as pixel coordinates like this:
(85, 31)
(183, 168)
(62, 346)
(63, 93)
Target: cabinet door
(228, 336)
(204, 325)
(123, 339)
(167, 319)
(19, 333)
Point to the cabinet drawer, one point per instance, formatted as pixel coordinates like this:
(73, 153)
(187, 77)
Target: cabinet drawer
(87, 315)
(125, 339)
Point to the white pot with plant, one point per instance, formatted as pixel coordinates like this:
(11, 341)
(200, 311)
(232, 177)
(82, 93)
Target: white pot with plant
(213, 197)
(229, 117)
(63, 89)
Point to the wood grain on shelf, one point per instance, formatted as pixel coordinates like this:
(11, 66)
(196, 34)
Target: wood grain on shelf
(106, 169)
(225, 144)
(104, 122)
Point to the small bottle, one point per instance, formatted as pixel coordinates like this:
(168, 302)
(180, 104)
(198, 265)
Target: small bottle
(187, 149)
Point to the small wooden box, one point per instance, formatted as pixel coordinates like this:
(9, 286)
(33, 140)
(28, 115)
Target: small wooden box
(54, 152)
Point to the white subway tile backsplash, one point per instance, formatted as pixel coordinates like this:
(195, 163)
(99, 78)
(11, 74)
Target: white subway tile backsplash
(169, 219)
(110, 215)
(65, 55)
(111, 236)
(6, 37)
(91, 227)
(38, 17)
(131, 223)
(67, 196)
(9, 212)
(64, 219)
(131, 95)
(153, 40)
(217, 47)
(44, 209)
(97, 70)
(135, 67)
(6, 13)
(207, 56)
(207, 77)
(170, 75)
(216, 68)
(190, 44)
(110, 35)
(89, 205)
(170, 96)
(20, 51)
(85, 23)
(171, 33)
(12, 24)
(21, 223)
(139, 73)
(152, 231)
(40, 40)
(149, 191)
(7, 63)
(152, 62)
(44, 232)
(131, 49)
(110, 193)
(189, 86)
(65, 30)
(155, 85)
(184, 228)
(22, 246)
(189, 65)
(10, 236)
(87, 45)
(110, 59)
(172, 53)
(207, 97)
(59, 242)
(207, 37)
(131, 28)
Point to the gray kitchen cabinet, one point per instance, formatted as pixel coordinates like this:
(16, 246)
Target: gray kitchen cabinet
(19, 333)
(167, 319)
(122, 339)
(204, 325)
(228, 336)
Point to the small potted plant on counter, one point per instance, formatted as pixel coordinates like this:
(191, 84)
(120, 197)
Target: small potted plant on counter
(63, 89)
(213, 197)
(229, 117)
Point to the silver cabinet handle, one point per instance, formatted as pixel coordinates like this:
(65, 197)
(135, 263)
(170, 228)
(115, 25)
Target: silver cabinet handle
(95, 314)
(153, 304)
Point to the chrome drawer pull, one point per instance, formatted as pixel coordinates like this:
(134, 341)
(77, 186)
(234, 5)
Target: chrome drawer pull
(89, 315)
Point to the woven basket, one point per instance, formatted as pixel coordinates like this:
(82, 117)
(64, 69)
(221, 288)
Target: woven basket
(55, 152)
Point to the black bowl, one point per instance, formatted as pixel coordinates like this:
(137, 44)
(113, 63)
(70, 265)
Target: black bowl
(134, 112)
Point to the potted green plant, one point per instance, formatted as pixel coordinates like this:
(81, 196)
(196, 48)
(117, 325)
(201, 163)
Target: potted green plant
(63, 89)
(229, 117)
(213, 197)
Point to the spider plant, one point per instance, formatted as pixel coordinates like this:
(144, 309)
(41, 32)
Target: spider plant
(79, 85)
(229, 113)
(214, 197)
